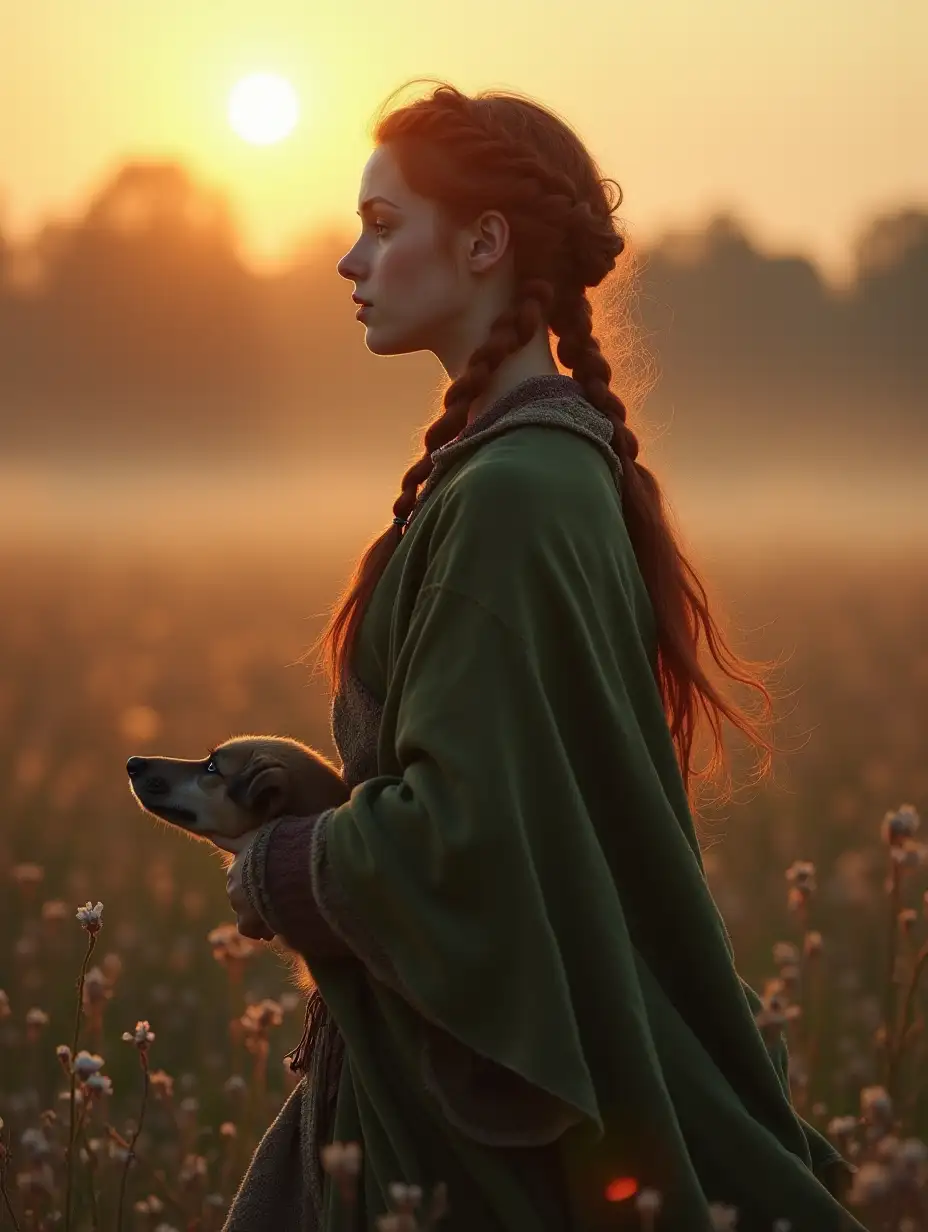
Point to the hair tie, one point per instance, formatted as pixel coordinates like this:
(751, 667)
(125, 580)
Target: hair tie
(399, 522)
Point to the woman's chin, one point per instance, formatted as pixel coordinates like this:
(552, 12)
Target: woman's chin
(380, 342)
(375, 342)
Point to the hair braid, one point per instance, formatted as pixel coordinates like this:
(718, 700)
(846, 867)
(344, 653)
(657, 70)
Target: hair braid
(579, 351)
(658, 556)
(511, 331)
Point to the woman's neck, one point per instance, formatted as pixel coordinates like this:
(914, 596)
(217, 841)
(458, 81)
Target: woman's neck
(530, 361)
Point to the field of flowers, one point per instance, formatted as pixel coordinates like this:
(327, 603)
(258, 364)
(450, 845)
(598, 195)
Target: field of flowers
(142, 1042)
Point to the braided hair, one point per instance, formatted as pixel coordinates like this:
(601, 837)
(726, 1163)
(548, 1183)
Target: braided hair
(500, 150)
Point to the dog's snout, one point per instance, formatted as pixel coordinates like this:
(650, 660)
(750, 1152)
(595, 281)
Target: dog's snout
(136, 766)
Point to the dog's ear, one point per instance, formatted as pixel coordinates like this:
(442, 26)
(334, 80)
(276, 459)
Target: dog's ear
(260, 788)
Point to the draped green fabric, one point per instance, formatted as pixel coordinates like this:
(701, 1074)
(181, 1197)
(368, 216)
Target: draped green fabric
(523, 882)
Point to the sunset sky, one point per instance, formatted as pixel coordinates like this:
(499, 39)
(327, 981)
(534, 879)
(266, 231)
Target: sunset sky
(804, 119)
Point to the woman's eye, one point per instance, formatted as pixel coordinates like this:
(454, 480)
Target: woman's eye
(383, 227)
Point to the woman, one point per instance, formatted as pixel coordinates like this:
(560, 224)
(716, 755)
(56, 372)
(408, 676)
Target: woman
(523, 986)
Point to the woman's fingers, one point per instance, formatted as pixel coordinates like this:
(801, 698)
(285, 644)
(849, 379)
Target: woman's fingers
(247, 919)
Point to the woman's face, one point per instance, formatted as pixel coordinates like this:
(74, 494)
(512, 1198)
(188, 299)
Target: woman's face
(422, 297)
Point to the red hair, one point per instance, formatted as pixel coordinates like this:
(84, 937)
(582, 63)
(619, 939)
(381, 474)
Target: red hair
(505, 152)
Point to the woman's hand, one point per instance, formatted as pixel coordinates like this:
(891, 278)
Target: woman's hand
(247, 920)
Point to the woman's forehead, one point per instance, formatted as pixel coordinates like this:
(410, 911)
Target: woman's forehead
(382, 177)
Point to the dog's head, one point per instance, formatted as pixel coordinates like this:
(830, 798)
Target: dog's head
(239, 785)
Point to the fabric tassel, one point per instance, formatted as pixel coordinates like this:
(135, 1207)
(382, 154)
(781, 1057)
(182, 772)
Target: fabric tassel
(319, 1056)
(312, 1022)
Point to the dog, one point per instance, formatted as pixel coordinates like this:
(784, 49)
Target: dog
(238, 786)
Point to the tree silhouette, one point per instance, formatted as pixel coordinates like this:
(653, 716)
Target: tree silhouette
(143, 297)
(138, 324)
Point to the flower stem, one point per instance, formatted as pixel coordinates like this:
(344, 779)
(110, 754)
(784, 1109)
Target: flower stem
(91, 942)
(92, 1167)
(130, 1155)
(6, 1197)
(9, 1205)
(889, 992)
(899, 1042)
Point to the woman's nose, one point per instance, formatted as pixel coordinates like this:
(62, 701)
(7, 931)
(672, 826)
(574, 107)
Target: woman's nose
(348, 267)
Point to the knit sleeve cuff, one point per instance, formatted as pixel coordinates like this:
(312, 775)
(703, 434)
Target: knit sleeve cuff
(276, 879)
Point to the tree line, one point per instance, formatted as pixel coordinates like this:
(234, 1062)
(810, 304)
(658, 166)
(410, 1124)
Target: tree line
(139, 323)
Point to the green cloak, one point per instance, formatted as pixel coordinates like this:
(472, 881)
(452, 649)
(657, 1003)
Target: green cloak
(541, 965)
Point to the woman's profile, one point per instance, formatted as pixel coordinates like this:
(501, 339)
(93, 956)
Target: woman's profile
(523, 986)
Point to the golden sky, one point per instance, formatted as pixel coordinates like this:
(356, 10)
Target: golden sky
(804, 117)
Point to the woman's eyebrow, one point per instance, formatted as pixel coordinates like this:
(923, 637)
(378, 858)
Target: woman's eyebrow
(366, 205)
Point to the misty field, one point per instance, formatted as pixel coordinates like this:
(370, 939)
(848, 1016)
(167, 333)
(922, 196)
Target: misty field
(820, 873)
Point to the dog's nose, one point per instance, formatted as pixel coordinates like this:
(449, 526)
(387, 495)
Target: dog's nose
(135, 765)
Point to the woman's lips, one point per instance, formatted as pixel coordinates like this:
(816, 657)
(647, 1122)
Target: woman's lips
(359, 315)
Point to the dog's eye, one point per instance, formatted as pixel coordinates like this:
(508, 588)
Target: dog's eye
(211, 767)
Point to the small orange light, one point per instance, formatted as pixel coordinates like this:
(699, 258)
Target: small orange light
(621, 1188)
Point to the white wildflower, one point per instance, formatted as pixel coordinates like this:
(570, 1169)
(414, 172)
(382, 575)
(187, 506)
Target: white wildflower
(900, 825)
(235, 1086)
(649, 1201)
(812, 943)
(28, 874)
(99, 1084)
(34, 1143)
(259, 1018)
(723, 1218)
(86, 1063)
(911, 1154)
(192, 1170)
(871, 1181)
(342, 1158)
(875, 1104)
(841, 1126)
(405, 1197)
(89, 917)
(784, 953)
(142, 1036)
(162, 1084)
(801, 875)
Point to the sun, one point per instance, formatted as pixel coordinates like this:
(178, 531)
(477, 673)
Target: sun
(263, 108)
